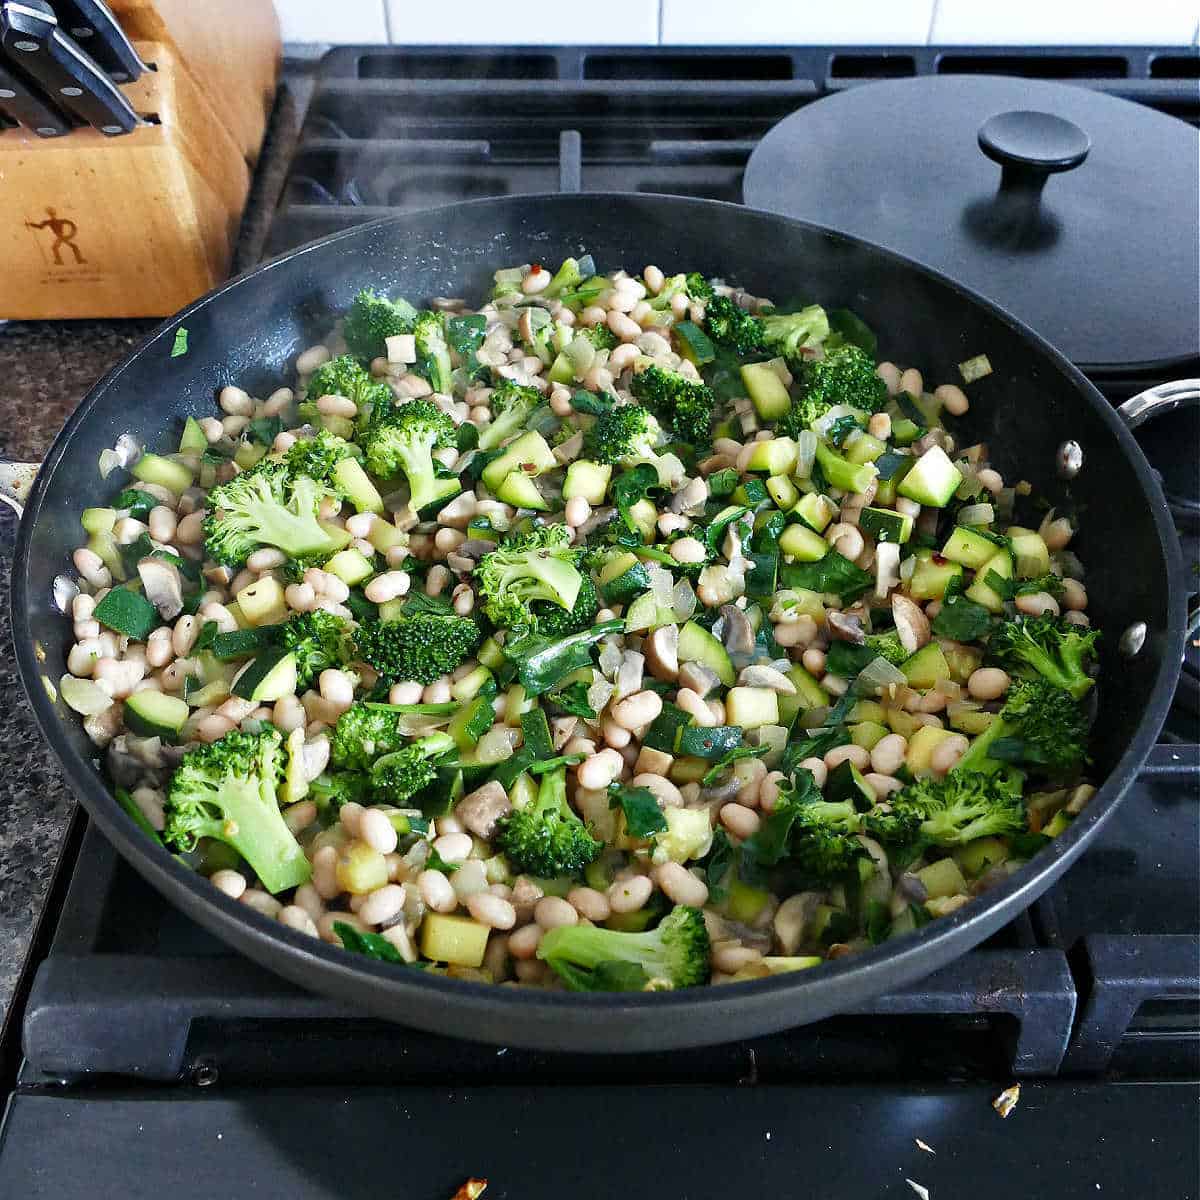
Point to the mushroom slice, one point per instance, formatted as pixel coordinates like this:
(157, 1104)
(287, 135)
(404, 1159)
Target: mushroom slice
(843, 628)
(766, 677)
(698, 677)
(792, 918)
(662, 653)
(738, 634)
(912, 625)
(163, 586)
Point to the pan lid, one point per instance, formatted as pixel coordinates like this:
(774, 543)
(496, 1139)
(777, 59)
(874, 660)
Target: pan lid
(1076, 211)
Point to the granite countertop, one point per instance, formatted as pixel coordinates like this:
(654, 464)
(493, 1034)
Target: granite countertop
(46, 368)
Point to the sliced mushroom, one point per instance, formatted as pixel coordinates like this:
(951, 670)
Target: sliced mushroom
(481, 809)
(690, 498)
(698, 677)
(569, 450)
(887, 568)
(792, 920)
(163, 586)
(911, 888)
(845, 628)
(599, 518)
(662, 653)
(767, 677)
(738, 634)
(912, 625)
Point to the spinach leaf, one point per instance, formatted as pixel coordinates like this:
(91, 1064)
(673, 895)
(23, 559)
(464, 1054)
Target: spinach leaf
(369, 944)
(769, 844)
(589, 402)
(734, 755)
(643, 817)
(573, 700)
(465, 335)
(137, 502)
(629, 488)
(961, 620)
(721, 483)
(541, 662)
(607, 976)
(716, 864)
(846, 659)
(879, 922)
(833, 573)
(466, 437)
(818, 743)
(715, 532)
(435, 862)
(265, 430)
(418, 604)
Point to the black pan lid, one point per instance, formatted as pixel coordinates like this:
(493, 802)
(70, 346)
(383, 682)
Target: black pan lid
(1088, 229)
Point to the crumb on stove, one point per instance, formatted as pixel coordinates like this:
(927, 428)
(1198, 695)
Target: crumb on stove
(1007, 1100)
(471, 1190)
(924, 1146)
(921, 1191)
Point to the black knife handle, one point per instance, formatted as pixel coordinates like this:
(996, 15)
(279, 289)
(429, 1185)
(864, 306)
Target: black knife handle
(21, 103)
(92, 25)
(30, 37)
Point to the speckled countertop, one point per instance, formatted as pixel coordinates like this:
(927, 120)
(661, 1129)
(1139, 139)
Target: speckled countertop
(46, 368)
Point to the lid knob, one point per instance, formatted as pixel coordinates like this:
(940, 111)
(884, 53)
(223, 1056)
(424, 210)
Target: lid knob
(1032, 146)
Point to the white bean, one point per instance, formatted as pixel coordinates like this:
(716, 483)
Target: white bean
(537, 279)
(388, 586)
(337, 406)
(626, 328)
(552, 911)
(523, 944)
(235, 402)
(628, 895)
(577, 511)
(1075, 597)
(266, 559)
(162, 523)
(288, 714)
(693, 703)
(954, 399)
(383, 904)
(882, 785)
(888, 753)
(91, 566)
(436, 891)
(947, 753)
(989, 480)
(1037, 603)
(294, 917)
(688, 550)
(890, 374)
(158, 647)
(453, 847)
(638, 710)
(336, 686)
(232, 883)
(679, 885)
(598, 771)
(376, 830)
(911, 382)
(492, 911)
(819, 771)
(661, 788)
(589, 903)
(654, 279)
(846, 540)
(405, 693)
(312, 358)
(739, 820)
(987, 683)
(262, 902)
(857, 755)
(183, 636)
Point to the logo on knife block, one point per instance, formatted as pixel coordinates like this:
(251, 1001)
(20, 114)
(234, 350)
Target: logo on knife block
(64, 232)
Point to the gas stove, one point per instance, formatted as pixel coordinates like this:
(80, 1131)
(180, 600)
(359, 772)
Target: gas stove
(154, 1058)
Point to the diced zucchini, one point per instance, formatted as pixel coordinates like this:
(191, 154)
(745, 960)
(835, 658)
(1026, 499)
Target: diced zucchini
(942, 878)
(933, 479)
(262, 602)
(783, 491)
(922, 744)
(845, 782)
(517, 489)
(694, 344)
(490, 655)
(562, 370)
(360, 869)
(153, 468)
(978, 856)
(529, 454)
(295, 781)
(696, 644)
(981, 591)
(270, 677)
(350, 566)
(338, 536)
(471, 722)
(647, 613)
(129, 613)
(902, 723)
(802, 543)
(848, 476)
(886, 525)
(864, 449)
(193, 439)
(384, 535)
(867, 733)
(706, 742)
(971, 548)
(926, 667)
(764, 386)
(155, 714)
(751, 707)
(746, 902)
(645, 516)
(773, 456)
(587, 479)
(472, 684)
(523, 791)
(361, 492)
(905, 432)
(457, 940)
(750, 493)
(931, 576)
(808, 694)
(971, 721)
(816, 510)
(1029, 550)
(963, 660)
(98, 520)
(622, 578)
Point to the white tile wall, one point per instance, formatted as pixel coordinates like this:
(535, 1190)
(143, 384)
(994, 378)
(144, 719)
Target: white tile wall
(742, 22)
(796, 22)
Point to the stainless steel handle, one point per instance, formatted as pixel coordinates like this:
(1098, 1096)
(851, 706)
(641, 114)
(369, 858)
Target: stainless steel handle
(16, 479)
(1153, 402)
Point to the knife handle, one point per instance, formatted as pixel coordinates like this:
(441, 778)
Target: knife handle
(30, 36)
(92, 25)
(27, 108)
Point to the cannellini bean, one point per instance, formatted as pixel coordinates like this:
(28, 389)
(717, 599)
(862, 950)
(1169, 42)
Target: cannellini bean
(887, 755)
(436, 891)
(492, 911)
(820, 772)
(235, 402)
(288, 714)
(376, 830)
(438, 692)
(190, 529)
(688, 550)
(118, 676)
(880, 426)
(537, 279)
(383, 904)
(813, 662)
(912, 382)
(552, 911)
(224, 619)
(266, 559)
(91, 566)
(626, 328)
(453, 847)
(307, 897)
(731, 957)
(741, 821)
(628, 895)
(337, 406)
(158, 647)
(523, 944)
(882, 785)
(405, 693)
(616, 736)
(589, 903)
(463, 599)
(989, 480)
(1075, 597)
(294, 917)
(661, 788)
(857, 755)
(232, 883)
(954, 399)
(987, 683)
(436, 580)
(638, 710)
(947, 752)
(890, 374)
(1037, 603)
(262, 902)
(693, 703)
(162, 523)
(598, 771)
(324, 872)
(578, 510)
(336, 686)
(183, 636)
(312, 358)
(846, 540)
(679, 885)
(1056, 534)
(214, 728)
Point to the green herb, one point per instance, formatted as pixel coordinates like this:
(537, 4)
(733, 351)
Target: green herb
(541, 662)
(265, 430)
(735, 755)
(852, 329)
(961, 620)
(715, 532)
(833, 573)
(643, 817)
(435, 862)
(846, 659)
(817, 744)
(371, 945)
(629, 488)
(573, 700)
(769, 844)
(180, 346)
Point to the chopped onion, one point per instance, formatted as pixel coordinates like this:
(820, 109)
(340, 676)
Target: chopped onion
(496, 745)
(907, 567)
(610, 658)
(826, 422)
(887, 568)
(977, 514)
(110, 460)
(876, 676)
(683, 601)
(662, 582)
(581, 354)
(84, 696)
(806, 453)
(599, 694)
(587, 266)
(509, 275)
(773, 736)
(975, 368)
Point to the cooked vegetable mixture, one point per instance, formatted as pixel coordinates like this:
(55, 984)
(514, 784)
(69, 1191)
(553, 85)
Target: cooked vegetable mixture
(624, 633)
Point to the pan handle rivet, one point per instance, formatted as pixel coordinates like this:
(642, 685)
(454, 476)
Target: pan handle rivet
(1069, 459)
(204, 1074)
(1133, 639)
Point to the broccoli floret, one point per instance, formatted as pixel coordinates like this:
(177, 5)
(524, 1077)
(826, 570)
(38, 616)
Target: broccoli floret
(845, 375)
(697, 287)
(331, 789)
(731, 326)
(397, 777)
(372, 319)
(672, 287)
(566, 279)
(1048, 647)
(433, 352)
(540, 565)
(227, 791)
(555, 621)
(1040, 726)
(364, 732)
(265, 506)
(402, 439)
(546, 838)
(674, 954)
(893, 824)
(963, 806)
(789, 334)
(512, 406)
(684, 404)
(319, 640)
(887, 646)
(627, 435)
(600, 336)
(423, 647)
(346, 376)
(317, 456)
(822, 843)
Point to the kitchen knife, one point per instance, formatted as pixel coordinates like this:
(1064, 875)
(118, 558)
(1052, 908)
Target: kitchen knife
(30, 36)
(92, 25)
(28, 107)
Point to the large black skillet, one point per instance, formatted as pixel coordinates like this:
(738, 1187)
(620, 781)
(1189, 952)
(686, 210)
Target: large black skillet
(249, 331)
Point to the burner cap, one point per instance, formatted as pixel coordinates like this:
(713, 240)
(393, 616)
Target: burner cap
(1089, 231)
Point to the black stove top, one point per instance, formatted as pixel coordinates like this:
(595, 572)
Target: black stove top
(155, 1058)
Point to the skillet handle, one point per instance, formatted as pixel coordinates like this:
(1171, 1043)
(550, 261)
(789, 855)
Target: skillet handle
(15, 481)
(1155, 401)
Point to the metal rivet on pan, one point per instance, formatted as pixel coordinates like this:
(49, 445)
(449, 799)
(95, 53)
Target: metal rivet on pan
(111, 129)
(1133, 639)
(49, 131)
(27, 47)
(1069, 459)
(204, 1074)
(7, 94)
(71, 91)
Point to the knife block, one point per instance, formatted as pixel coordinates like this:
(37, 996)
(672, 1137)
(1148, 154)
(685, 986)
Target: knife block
(134, 226)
